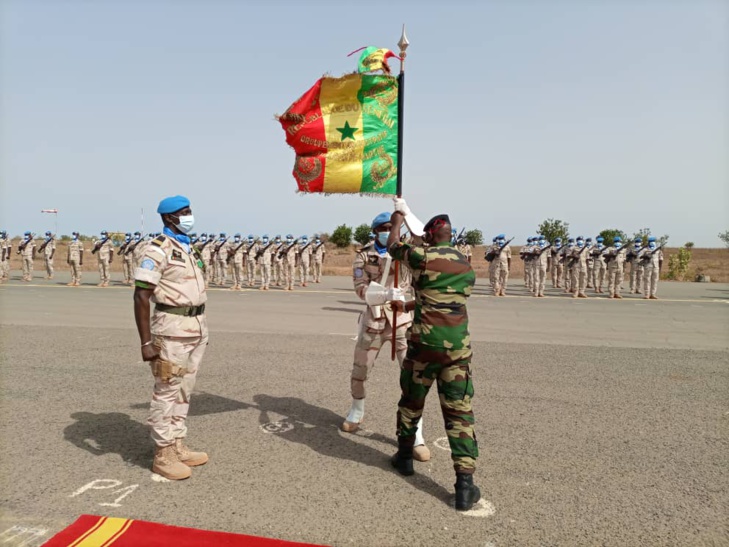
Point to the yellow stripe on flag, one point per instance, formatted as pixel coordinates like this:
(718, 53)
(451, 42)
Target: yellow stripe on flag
(103, 533)
(342, 115)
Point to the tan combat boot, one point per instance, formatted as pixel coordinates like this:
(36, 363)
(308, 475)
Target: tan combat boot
(168, 464)
(187, 456)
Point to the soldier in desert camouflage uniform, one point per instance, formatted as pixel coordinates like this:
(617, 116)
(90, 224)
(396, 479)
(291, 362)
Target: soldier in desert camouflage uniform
(555, 264)
(127, 259)
(251, 266)
(503, 265)
(6, 248)
(305, 252)
(26, 249)
(265, 262)
(104, 251)
(171, 276)
(75, 259)
(278, 273)
(439, 346)
(288, 253)
(319, 253)
(235, 256)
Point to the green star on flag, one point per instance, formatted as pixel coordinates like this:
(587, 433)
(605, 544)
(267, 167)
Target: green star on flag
(347, 131)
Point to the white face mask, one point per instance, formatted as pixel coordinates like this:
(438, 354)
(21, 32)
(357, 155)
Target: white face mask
(382, 238)
(185, 224)
(652, 245)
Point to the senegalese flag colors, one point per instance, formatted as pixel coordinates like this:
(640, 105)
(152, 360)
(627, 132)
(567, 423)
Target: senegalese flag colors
(93, 531)
(344, 133)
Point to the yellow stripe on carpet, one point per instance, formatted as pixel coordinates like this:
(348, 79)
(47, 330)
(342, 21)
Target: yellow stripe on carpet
(103, 533)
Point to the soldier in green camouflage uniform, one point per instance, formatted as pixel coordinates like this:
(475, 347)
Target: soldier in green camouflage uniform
(439, 346)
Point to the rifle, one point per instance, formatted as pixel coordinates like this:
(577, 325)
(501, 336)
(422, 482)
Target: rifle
(319, 246)
(99, 245)
(633, 254)
(220, 246)
(133, 247)
(610, 256)
(459, 236)
(574, 259)
(231, 253)
(646, 258)
(24, 244)
(544, 249)
(259, 252)
(283, 253)
(494, 254)
(122, 248)
(306, 246)
(45, 243)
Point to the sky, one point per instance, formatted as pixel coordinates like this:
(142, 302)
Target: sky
(604, 114)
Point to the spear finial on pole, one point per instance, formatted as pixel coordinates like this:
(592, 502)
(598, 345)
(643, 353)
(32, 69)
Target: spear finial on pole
(403, 45)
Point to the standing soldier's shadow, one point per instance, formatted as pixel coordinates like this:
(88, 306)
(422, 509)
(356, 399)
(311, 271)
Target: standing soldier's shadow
(111, 433)
(318, 428)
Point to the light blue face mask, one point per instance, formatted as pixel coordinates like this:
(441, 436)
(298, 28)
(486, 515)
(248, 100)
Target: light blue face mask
(652, 245)
(382, 238)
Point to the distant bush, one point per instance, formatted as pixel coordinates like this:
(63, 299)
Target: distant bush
(342, 236)
(362, 234)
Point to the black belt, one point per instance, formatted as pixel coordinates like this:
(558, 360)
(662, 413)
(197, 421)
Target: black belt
(187, 311)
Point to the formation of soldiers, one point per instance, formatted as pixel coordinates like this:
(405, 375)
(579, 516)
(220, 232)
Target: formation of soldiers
(582, 264)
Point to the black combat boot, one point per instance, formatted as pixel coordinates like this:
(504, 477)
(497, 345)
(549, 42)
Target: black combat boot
(403, 461)
(467, 493)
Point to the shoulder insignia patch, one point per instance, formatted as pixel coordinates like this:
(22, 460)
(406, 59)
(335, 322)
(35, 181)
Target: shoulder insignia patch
(147, 264)
(358, 272)
(158, 241)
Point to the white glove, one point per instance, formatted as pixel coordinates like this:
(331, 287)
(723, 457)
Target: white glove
(395, 293)
(416, 227)
(401, 206)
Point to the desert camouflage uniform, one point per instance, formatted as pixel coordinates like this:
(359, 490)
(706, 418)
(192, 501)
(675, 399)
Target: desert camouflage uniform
(304, 263)
(180, 334)
(569, 266)
(637, 269)
(138, 252)
(493, 268)
(6, 248)
(439, 348)
(48, 252)
(289, 265)
(598, 269)
(278, 271)
(221, 262)
(375, 323)
(651, 265)
(541, 258)
(73, 258)
(206, 254)
(251, 251)
(104, 258)
(127, 262)
(580, 272)
(556, 267)
(27, 255)
(238, 249)
(502, 269)
(265, 261)
(465, 250)
(319, 252)
(615, 259)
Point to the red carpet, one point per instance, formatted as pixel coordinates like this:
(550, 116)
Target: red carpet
(92, 531)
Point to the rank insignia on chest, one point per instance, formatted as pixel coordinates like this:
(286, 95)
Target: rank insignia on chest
(177, 256)
(374, 260)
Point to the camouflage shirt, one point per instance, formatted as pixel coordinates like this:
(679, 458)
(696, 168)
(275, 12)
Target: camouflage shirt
(442, 279)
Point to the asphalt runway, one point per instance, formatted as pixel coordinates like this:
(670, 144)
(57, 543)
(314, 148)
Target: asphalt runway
(600, 422)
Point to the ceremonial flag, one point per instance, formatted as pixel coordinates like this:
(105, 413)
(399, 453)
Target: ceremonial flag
(345, 135)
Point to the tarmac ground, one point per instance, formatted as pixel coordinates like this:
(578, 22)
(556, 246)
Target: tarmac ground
(600, 421)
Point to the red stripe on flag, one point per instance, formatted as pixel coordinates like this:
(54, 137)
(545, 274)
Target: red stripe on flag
(306, 134)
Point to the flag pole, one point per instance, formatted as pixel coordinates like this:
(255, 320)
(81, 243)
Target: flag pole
(403, 45)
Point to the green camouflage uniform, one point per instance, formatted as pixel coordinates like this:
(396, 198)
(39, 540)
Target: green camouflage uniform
(439, 348)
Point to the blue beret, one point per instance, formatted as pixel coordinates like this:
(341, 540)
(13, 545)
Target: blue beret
(172, 204)
(638, 240)
(381, 219)
(617, 238)
(651, 239)
(501, 236)
(601, 239)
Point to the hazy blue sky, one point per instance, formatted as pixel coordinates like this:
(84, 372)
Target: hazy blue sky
(608, 113)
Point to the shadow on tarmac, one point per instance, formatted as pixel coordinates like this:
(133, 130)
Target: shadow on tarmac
(348, 310)
(111, 433)
(318, 428)
(202, 404)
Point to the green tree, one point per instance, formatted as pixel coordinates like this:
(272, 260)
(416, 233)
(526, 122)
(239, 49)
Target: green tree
(341, 236)
(473, 237)
(552, 228)
(362, 234)
(645, 233)
(678, 264)
(610, 233)
(724, 236)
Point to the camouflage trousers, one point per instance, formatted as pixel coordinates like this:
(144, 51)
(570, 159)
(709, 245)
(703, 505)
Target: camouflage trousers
(317, 271)
(304, 271)
(221, 272)
(27, 269)
(650, 281)
(251, 271)
(615, 279)
(636, 278)
(127, 269)
(237, 274)
(278, 273)
(75, 271)
(451, 370)
(368, 348)
(5, 269)
(557, 273)
(598, 275)
(49, 266)
(171, 399)
(289, 274)
(104, 270)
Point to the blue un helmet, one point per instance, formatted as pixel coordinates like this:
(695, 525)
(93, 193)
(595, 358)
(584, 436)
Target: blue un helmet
(617, 239)
(304, 238)
(237, 237)
(379, 220)
(651, 239)
(264, 238)
(652, 243)
(289, 237)
(222, 236)
(277, 239)
(600, 239)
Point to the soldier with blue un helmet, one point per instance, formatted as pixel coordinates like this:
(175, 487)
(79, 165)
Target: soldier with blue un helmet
(636, 266)
(599, 266)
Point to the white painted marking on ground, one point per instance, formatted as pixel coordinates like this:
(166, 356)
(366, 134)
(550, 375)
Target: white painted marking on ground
(481, 509)
(23, 536)
(127, 490)
(276, 427)
(158, 478)
(442, 443)
(98, 484)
